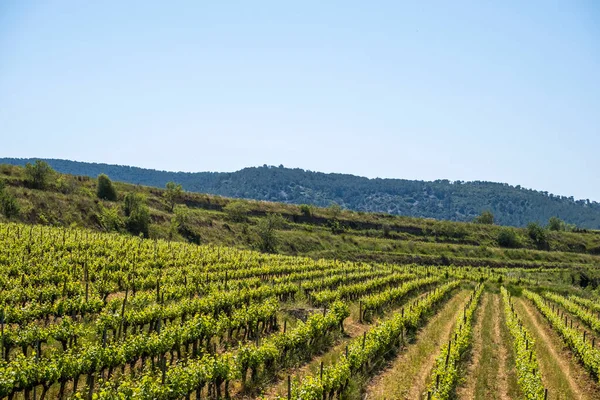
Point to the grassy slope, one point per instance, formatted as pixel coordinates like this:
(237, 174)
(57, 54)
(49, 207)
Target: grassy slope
(71, 200)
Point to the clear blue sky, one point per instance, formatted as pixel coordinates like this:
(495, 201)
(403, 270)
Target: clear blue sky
(508, 92)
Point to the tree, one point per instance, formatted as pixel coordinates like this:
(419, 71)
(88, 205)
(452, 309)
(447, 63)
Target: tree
(508, 238)
(486, 218)
(537, 235)
(172, 194)
(38, 174)
(556, 224)
(267, 227)
(137, 214)
(131, 202)
(105, 189)
(237, 211)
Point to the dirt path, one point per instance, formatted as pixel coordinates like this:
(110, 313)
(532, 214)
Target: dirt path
(564, 377)
(407, 375)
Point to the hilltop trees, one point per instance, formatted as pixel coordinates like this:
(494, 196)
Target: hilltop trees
(106, 190)
(38, 174)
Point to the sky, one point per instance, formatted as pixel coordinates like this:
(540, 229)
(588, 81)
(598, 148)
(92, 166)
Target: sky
(497, 91)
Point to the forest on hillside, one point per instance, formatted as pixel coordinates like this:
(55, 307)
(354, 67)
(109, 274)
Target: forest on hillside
(440, 199)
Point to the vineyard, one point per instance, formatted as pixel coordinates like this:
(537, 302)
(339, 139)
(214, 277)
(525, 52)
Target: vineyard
(90, 315)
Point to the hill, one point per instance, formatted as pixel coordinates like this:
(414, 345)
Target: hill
(441, 199)
(69, 200)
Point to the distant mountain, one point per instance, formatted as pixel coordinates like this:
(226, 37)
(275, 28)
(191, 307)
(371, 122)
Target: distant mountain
(441, 199)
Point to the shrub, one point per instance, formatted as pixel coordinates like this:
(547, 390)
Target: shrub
(8, 204)
(556, 224)
(386, 230)
(237, 211)
(38, 174)
(106, 190)
(268, 239)
(131, 202)
(172, 194)
(137, 213)
(537, 235)
(508, 238)
(110, 219)
(486, 218)
(306, 210)
(138, 221)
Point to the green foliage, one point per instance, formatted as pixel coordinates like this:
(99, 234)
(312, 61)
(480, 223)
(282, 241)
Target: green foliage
(526, 363)
(386, 230)
(337, 227)
(172, 194)
(508, 238)
(106, 190)
(306, 210)
(486, 218)
(237, 210)
(461, 201)
(556, 224)
(65, 185)
(38, 174)
(8, 204)
(573, 337)
(183, 223)
(137, 214)
(538, 235)
(110, 219)
(446, 371)
(131, 202)
(335, 210)
(267, 232)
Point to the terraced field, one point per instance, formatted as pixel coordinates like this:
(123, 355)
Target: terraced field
(105, 316)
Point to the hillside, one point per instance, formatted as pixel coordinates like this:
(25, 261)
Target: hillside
(69, 200)
(441, 199)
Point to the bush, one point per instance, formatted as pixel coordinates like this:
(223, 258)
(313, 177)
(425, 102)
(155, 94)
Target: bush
(138, 221)
(8, 204)
(106, 190)
(172, 194)
(486, 218)
(110, 219)
(556, 224)
(38, 174)
(537, 235)
(306, 210)
(508, 238)
(386, 230)
(131, 202)
(237, 211)
(267, 232)
(137, 213)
